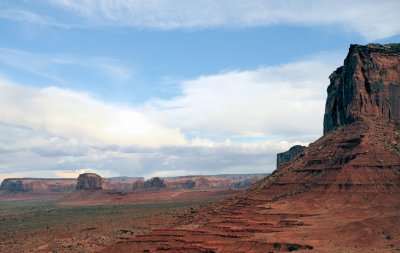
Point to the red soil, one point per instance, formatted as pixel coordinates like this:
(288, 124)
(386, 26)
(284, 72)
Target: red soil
(341, 195)
(113, 197)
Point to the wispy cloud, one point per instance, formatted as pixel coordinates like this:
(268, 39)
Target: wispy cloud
(371, 19)
(30, 17)
(46, 65)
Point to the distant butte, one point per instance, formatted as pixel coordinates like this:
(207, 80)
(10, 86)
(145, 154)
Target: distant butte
(340, 194)
(89, 181)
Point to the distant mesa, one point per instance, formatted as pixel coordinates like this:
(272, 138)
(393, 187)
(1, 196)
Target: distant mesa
(120, 184)
(181, 184)
(89, 181)
(13, 185)
(289, 155)
(37, 185)
(154, 183)
(92, 181)
(206, 182)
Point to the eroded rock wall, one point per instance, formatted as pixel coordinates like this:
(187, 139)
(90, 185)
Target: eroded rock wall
(367, 85)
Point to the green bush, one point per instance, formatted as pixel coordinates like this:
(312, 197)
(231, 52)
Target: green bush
(293, 247)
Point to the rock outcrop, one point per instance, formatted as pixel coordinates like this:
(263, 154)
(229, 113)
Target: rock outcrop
(345, 182)
(289, 155)
(367, 85)
(89, 181)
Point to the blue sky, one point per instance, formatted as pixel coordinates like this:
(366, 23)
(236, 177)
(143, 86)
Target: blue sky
(144, 88)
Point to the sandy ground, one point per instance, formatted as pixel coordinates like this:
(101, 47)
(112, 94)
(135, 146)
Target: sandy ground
(91, 221)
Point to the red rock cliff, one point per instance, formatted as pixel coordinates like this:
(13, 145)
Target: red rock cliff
(367, 85)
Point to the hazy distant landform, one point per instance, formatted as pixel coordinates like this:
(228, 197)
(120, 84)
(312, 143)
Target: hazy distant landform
(89, 213)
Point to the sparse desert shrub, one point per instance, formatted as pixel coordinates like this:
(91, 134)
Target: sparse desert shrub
(293, 247)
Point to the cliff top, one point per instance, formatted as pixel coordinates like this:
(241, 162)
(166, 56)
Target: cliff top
(367, 85)
(392, 48)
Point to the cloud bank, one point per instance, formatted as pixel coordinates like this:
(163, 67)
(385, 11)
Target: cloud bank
(71, 114)
(230, 122)
(286, 100)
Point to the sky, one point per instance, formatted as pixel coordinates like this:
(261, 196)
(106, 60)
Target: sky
(167, 87)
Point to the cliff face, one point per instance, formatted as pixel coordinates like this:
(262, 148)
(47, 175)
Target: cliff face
(287, 156)
(89, 181)
(367, 85)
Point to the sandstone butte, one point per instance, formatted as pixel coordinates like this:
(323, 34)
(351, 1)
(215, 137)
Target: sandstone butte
(89, 181)
(340, 194)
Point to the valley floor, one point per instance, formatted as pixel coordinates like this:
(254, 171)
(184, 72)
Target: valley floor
(90, 222)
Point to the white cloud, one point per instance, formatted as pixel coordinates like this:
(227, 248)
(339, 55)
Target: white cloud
(286, 101)
(231, 122)
(371, 19)
(69, 114)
